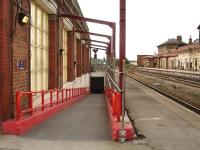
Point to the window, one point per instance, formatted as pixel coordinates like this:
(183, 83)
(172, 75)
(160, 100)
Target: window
(64, 56)
(39, 48)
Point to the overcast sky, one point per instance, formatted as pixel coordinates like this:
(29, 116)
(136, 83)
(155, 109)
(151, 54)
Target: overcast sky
(149, 22)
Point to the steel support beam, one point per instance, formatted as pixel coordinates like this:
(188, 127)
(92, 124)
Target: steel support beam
(97, 45)
(96, 41)
(92, 33)
(110, 24)
(98, 48)
(88, 19)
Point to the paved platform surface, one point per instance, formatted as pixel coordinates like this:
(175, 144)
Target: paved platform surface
(166, 125)
(84, 126)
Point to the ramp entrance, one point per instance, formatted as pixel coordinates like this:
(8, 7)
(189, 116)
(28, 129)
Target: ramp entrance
(97, 82)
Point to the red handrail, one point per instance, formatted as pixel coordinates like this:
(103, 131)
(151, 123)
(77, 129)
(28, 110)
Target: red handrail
(66, 95)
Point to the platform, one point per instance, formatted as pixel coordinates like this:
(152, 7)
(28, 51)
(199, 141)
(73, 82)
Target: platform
(84, 125)
(165, 124)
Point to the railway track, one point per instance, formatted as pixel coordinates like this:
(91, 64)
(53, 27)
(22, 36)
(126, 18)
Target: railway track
(177, 100)
(172, 78)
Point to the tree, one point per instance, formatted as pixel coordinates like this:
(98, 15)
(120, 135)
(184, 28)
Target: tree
(127, 61)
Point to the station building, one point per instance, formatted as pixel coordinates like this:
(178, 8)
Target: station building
(174, 54)
(39, 50)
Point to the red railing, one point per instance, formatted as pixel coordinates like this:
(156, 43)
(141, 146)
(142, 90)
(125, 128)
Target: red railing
(46, 99)
(115, 102)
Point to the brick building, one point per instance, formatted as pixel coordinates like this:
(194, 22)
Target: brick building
(174, 54)
(42, 54)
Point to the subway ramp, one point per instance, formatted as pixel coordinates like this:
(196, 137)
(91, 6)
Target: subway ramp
(83, 126)
(86, 120)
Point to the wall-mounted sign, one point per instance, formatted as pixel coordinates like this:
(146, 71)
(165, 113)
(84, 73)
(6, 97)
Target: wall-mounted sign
(21, 64)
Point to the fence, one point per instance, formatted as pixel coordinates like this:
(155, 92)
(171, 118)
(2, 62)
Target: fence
(47, 99)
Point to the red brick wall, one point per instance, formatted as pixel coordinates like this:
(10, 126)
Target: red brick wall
(83, 59)
(5, 51)
(53, 52)
(78, 58)
(21, 52)
(14, 48)
(70, 57)
(88, 60)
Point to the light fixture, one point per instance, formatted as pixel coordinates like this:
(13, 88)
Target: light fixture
(23, 18)
(95, 50)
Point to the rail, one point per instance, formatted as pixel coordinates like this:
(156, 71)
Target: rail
(117, 102)
(44, 100)
(110, 80)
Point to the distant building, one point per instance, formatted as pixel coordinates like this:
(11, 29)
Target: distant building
(171, 45)
(174, 54)
(141, 60)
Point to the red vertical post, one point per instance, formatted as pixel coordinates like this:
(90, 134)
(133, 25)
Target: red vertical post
(51, 98)
(122, 38)
(69, 93)
(66, 93)
(57, 96)
(31, 103)
(42, 100)
(18, 109)
(62, 95)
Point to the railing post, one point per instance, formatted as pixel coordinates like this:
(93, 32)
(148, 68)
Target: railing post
(66, 94)
(42, 100)
(70, 93)
(57, 96)
(51, 98)
(62, 95)
(31, 103)
(18, 111)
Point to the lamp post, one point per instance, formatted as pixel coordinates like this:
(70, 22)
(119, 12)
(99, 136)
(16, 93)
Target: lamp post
(199, 33)
(95, 50)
